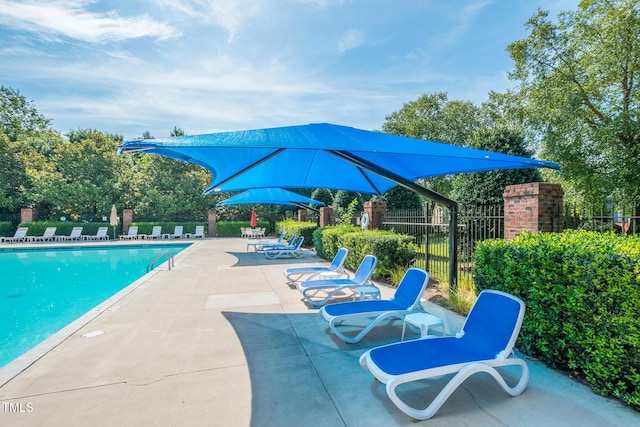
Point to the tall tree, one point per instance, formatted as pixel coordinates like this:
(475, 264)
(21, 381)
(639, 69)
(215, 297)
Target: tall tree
(16, 159)
(18, 117)
(401, 198)
(482, 188)
(434, 117)
(85, 176)
(578, 88)
(323, 195)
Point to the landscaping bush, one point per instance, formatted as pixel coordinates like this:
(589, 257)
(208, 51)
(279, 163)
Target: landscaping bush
(393, 250)
(7, 229)
(291, 227)
(327, 239)
(582, 291)
(232, 228)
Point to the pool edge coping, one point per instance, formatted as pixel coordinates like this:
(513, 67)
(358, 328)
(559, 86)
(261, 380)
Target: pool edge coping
(25, 360)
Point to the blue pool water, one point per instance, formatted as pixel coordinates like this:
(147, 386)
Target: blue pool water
(44, 289)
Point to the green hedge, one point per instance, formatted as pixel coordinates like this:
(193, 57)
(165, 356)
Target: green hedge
(291, 227)
(7, 229)
(232, 228)
(582, 291)
(393, 250)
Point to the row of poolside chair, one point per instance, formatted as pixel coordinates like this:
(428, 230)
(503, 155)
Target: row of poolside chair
(485, 342)
(156, 233)
(252, 233)
(49, 235)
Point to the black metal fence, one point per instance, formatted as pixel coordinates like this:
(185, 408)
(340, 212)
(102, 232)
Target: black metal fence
(13, 217)
(430, 228)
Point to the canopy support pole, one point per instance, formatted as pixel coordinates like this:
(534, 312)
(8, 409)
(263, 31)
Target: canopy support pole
(303, 206)
(251, 166)
(410, 185)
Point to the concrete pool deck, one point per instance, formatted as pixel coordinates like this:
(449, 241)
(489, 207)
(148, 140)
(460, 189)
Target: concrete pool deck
(222, 340)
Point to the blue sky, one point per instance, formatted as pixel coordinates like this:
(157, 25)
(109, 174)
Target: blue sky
(205, 66)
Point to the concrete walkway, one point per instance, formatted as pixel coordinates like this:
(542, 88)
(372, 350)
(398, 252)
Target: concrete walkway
(222, 340)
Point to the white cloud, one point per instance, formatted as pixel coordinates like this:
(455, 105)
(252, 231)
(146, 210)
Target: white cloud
(231, 15)
(71, 19)
(462, 21)
(350, 40)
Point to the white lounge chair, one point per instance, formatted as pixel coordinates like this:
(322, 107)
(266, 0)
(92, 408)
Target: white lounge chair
(76, 234)
(295, 250)
(177, 233)
(19, 236)
(335, 269)
(485, 343)
(199, 233)
(156, 232)
(406, 300)
(132, 233)
(101, 234)
(328, 288)
(49, 235)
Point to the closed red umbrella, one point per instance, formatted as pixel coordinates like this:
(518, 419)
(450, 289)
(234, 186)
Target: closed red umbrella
(254, 220)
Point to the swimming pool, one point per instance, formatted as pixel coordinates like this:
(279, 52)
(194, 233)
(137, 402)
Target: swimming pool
(44, 289)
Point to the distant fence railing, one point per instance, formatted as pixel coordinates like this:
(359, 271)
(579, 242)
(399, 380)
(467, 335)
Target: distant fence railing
(13, 217)
(620, 218)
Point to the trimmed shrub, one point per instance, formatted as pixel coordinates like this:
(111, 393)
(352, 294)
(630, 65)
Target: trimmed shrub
(327, 239)
(7, 229)
(582, 291)
(291, 227)
(393, 250)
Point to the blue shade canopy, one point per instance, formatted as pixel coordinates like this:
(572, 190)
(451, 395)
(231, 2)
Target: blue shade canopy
(323, 156)
(273, 196)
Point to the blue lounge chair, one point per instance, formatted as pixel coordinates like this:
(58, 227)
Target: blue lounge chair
(405, 300)
(273, 252)
(485, 343)
(335, 269)
(328, 288)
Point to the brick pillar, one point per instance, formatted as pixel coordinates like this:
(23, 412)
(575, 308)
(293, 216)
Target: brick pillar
(302, 215)
(127, 218)
(28, 215)
(212, 219)
(325, 216)
(376, 212)
(535, 206)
